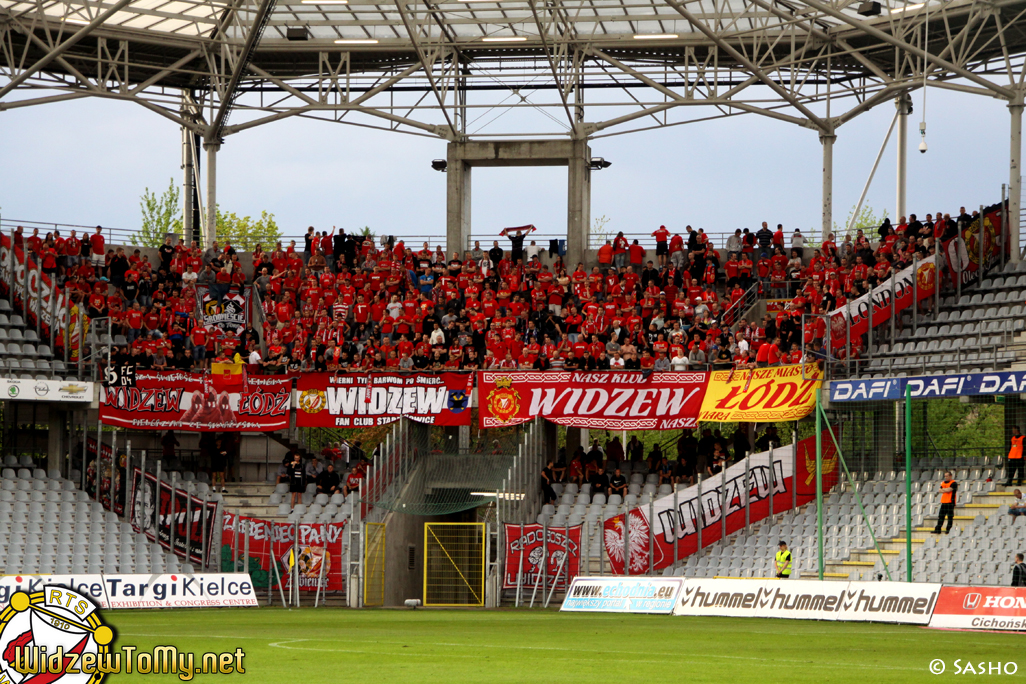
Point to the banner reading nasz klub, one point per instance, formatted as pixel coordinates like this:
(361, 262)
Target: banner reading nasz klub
(787, 478)
(38, 282)
(920, 278)
(559, 553)
(192, 527)
(174, 400)
(367, 399)
(603, 400)
(319, 552)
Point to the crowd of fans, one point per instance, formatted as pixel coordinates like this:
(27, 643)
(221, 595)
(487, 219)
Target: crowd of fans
(343, 302)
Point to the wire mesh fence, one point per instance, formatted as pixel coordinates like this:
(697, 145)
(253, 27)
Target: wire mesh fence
(454, 564)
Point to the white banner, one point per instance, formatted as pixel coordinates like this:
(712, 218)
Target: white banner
(623, 595)
(46, 390)
(115, 591)
(896, 602)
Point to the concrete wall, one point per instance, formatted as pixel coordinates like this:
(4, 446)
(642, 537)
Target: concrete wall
(402, 531)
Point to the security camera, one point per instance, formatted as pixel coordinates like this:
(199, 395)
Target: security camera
(922, 147)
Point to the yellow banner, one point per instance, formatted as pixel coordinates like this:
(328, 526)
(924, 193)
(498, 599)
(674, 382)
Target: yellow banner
(762, 395)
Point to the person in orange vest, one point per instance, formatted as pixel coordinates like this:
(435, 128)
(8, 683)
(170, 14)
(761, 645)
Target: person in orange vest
(949, 493)
(1014, 466)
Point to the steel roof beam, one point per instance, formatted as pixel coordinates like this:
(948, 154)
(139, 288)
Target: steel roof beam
(63, 47)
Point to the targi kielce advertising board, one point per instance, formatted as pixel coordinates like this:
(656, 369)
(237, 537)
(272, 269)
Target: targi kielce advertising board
(369, 399)
(719, 496)
(120, 591)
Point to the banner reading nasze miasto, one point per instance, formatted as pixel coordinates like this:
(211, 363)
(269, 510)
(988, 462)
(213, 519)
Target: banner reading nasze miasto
(176, 400)
(320, 552)
(368, 399)
(721, 495)
(857, 312)
(527, 555)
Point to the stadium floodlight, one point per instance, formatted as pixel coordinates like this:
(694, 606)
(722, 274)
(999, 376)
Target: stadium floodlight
(870, 9)
(908, 8)
(655, 36)
(598, 163)
(503, 39)
(356, 41)
(439, 165)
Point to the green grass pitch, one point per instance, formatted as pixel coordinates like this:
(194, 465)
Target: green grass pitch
(308, 646)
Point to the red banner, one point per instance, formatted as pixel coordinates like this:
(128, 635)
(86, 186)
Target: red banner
(368, 399)
(103, 466)
(191, 526)
(175, 400)
(787, 477)
(628, 400)
(974, 251)
(319, 553)
(559, 554)
(920, 279)
(52, 306)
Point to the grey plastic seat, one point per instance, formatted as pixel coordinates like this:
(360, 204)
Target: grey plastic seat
(59, 368)
(43, 365)
(44, 350)
(13, 349)
(16, 335)
(17, 321)
(28, 350)
(3, 335)
(5, 306)
(121, 340)
(31, 336)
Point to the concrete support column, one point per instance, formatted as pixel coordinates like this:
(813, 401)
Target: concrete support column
(573, 440)
(457, 200)
(550, 442)
(1015, 175)
(210, 225)
(904, 105)
(578, 206)
(464, 439)
(188, 186)
(887, 422)
(828, 182)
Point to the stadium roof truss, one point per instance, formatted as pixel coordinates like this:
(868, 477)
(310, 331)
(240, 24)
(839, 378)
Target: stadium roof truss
(452, 69)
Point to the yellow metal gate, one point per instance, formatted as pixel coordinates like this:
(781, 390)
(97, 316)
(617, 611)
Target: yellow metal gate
(374, 565)
(454, 564)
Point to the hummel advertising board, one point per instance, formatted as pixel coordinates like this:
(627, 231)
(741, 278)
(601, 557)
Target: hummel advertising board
(896, 602)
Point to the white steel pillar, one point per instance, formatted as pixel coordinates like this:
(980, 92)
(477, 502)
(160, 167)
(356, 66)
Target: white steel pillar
(904, 105)
(188, 228)
(828, 182)
(210, 225)
(1015, 176)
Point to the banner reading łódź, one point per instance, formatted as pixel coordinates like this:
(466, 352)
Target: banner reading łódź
(787, 478)
(176, 400)
(761, 394)
(189, 519)
(367, 399)
(320, 552)
(921, 277)
(605, 400)
(525, 553)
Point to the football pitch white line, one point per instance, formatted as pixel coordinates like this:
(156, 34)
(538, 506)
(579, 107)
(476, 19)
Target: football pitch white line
(692, 656)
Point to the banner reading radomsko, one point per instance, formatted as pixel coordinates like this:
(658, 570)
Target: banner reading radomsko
(607, 400)
(368, 399)
(761, 394)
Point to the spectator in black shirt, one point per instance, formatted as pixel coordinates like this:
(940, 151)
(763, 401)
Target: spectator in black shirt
(618, 483)
(328, 482)
(1019, 572)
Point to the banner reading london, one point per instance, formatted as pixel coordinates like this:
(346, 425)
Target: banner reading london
(634, 400)
(363, 400)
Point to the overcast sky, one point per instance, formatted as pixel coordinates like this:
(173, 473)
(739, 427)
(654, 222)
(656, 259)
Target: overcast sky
(88, 161)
